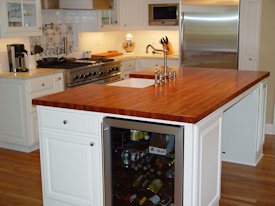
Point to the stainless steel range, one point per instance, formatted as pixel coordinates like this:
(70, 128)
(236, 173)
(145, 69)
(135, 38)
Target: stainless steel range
(88, 70)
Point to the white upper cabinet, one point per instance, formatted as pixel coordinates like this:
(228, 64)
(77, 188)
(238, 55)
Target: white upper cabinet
(132, 14)
(250, 20)
(20, 18)
(85, 4)
(108, 19)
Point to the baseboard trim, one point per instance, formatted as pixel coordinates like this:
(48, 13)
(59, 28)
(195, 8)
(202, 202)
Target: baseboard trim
(269, 129)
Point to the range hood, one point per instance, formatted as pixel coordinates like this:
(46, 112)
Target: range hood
(50, 4)
(79, 4)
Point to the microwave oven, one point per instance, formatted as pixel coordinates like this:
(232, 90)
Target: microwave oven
(163, 14)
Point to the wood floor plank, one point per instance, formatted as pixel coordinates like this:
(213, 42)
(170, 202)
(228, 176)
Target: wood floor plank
(20, 180)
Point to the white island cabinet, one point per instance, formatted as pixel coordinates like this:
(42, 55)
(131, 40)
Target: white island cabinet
(243, 128)
(72, 148)
(71, 157)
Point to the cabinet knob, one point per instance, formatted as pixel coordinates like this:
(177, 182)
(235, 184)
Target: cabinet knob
(59, 78)
(43, 85)
(250, 59)
(92, 144)
(65, 121)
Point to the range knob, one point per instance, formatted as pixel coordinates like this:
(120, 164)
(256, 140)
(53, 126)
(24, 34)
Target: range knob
(100, 73)
(117, 69)
(110, 71)
(81, 76)
(93, 73)
(75, 77)
(88, 75)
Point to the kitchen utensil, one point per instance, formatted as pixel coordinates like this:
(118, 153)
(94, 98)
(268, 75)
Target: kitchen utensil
(38, 49)
(48, 61)
(107, 54)
(30, 62)
(166, 44)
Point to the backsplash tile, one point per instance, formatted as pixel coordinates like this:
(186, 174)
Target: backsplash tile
(53, 38)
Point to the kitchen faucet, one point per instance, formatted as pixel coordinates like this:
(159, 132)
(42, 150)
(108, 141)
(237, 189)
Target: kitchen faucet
(165, 73)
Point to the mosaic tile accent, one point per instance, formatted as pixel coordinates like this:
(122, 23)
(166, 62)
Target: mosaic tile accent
(52, 39)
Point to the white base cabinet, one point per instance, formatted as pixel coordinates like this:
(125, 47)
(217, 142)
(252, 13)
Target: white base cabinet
(19, 131)
(71, 160)
(202, 161)
(243, 128)
(127, 67)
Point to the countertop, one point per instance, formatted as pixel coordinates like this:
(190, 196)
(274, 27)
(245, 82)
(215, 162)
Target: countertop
(196, 93)
(31, 74)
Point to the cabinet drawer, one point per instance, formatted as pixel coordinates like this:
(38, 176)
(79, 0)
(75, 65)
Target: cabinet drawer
(125, 75)
(129, 65)
(79, 122)
(39, 84)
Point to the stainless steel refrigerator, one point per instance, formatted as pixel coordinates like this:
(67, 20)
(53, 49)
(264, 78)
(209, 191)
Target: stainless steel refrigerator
(209, 33)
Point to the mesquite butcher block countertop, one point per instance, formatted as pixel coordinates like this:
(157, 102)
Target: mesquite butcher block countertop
(196, 93)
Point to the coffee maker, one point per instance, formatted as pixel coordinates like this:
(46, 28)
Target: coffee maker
(16, 57)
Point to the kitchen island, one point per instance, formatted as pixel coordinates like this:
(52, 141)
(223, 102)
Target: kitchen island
(198, 100)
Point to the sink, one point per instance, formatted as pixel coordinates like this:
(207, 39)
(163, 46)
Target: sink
(134, 82)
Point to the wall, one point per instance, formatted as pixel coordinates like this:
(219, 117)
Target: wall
(3, 49)
(80, 20)
(267, 53)
(104, 41)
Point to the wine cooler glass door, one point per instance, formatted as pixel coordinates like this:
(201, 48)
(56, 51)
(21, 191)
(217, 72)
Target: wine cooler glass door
(143, 163)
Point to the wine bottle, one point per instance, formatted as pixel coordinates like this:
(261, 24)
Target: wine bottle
(153, 200)
(138, 181)
(155, 185)
(142, 201)
(132, 198)
(165, 200)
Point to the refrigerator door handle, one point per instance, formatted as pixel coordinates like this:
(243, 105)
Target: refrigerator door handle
(181, 38)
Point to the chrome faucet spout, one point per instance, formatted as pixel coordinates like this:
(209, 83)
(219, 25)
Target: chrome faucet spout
(149, 45)
(164, 56)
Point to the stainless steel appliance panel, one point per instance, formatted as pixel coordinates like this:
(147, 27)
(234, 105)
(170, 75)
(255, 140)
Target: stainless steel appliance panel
(209, 33)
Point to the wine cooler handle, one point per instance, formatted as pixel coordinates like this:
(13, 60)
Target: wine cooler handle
(92, 144)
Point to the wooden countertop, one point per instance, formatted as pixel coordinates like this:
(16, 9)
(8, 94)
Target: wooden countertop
(30, 74)
(196, 93)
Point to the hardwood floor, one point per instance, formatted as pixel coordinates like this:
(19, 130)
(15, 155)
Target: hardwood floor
(20, 180)
(247, 186)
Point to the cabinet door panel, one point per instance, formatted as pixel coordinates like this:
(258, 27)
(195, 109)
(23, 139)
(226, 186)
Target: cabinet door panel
(20, 18)
(131, 12)
(250, 19)
(12, 101)
(239, 145)
(69, 167)
(14, 14)
(210, 163)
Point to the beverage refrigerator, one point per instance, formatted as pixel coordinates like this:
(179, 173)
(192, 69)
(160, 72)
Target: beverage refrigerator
(143, 163)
